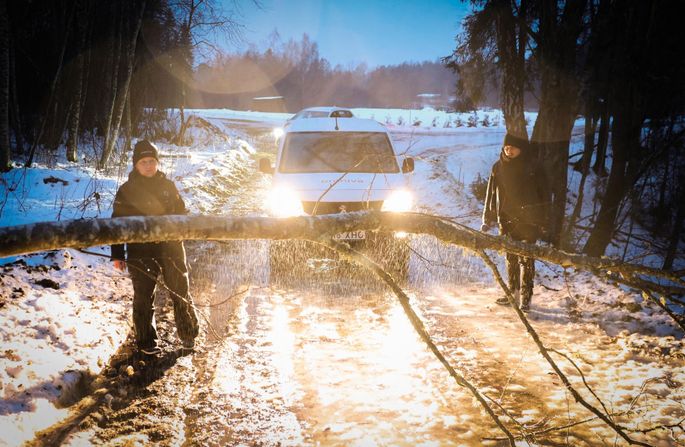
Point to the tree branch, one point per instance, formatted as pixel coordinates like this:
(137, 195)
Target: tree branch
(582, 376)
(418, 326)
(83, 233)
(79, 233)
(545, 353)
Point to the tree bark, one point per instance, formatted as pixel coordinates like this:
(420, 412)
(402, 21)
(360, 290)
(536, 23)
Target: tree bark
(53, 91)
(584, 163)
(511, 60)
(92, 13)
(661, 202)
(557, 46)
(602, 141)
(76, 100)
(5, 155)
(633, 26)
(21, 239)
(625, 134)
(184, 68)
(14, 102)
(124, 91)
(127, 123)
(116, 60)
(676, 234)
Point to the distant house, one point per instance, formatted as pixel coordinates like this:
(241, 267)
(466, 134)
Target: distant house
(434, 100)
(268, 104)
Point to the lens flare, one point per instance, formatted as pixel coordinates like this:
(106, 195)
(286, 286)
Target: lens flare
(398, 201)
(277, 133)
(284, 202)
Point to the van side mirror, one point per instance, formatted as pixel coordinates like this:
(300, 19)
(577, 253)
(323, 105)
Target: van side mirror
(265, 166)
(408, 165)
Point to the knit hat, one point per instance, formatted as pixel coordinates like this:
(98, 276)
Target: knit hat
(144, 149)
(513, 140)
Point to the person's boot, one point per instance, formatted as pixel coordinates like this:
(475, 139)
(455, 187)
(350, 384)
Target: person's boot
(150, 350)
(504, 301)
(187, 346)
(525, 300)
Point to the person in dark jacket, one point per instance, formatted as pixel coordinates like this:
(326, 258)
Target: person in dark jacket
(516, 200)
(149, 193)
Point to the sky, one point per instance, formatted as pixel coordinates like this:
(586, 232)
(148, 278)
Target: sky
(349, 32)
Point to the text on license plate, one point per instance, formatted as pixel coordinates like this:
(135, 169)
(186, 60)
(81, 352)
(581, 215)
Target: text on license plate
(350, 236)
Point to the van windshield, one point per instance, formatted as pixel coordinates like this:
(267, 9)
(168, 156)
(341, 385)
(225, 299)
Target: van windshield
(305, 152)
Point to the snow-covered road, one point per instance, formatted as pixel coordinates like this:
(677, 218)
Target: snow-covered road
(330, 358)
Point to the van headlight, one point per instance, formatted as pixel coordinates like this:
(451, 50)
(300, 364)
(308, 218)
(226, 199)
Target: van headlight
(399, 201)
(277, 133)
(284, 202)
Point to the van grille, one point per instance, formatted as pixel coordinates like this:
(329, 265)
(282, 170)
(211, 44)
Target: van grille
(337, 207)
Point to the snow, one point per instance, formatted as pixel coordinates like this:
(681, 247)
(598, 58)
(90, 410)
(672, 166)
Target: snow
(54, 338)
(328, 124)
(400, 120)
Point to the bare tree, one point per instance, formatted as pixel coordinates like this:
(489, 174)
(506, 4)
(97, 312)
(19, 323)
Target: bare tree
(495, 36)
(77, 96)
(512, 41)
(41, 236)
(320, 229)
(556, 53)
(5, 157)
(197, 21)
(53, 89)
(123, 90)
(627, 99)
(14, 102)
(599, 167)
(112, 74)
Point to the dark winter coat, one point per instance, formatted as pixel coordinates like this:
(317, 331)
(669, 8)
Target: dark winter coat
(517, 198)
(143, 196)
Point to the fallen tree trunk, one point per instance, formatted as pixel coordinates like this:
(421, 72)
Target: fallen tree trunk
(82, 233)
(43, 236)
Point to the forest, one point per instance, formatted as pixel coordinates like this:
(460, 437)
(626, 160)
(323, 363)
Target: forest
(85, 69)
(619, 65)
(76, 71)
(81, 81)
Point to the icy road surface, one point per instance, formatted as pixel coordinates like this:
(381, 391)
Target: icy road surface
(326, 355)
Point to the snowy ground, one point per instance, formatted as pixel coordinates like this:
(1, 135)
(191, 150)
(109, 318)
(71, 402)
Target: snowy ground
(64, 314)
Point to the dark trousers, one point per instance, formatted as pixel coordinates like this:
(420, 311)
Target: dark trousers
(520, 269)
(144, 273)
(521, 273)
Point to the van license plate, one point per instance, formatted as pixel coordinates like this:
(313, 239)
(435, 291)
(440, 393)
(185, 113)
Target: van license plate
(351, 236)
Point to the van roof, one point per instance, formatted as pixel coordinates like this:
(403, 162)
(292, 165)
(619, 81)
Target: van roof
(324, 109)
(328, 125)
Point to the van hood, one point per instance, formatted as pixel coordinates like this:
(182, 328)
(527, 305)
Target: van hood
(336, 187)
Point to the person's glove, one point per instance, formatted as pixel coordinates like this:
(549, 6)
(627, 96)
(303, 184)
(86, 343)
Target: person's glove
(120, 265)
(485, 228)
(545, 235)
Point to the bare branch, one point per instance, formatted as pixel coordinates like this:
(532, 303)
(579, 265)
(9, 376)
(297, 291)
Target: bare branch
(418, 327)
(545, 353)
(550, 429)
(582, 376)
(82, 233)
(678, 424)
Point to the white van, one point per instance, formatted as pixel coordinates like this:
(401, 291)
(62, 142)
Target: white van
(332, 165)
